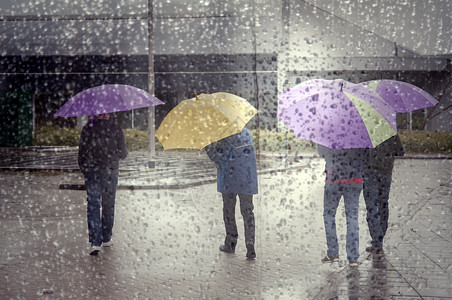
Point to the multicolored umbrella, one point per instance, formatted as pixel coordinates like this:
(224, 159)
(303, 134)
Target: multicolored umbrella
(207, 118)
(106, 98)
(402, 96)
(337, 114)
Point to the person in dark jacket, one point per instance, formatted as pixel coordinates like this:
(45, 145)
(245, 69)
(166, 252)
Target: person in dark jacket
(377, 184)
(101, 146)
(343, 170)
(235, 159)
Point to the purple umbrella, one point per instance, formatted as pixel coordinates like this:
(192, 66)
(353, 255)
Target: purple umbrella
(337, 114)
(401, 96)
(106, 98)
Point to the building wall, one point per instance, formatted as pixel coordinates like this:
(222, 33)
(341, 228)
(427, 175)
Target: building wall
(52, 80)
(252, 48)
(441, 115)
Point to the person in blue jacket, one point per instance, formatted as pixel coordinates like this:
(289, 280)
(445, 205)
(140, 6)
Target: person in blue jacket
(235, 159)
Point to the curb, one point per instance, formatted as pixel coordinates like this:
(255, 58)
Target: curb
(175, 186)
(40, 149)
(295, 158)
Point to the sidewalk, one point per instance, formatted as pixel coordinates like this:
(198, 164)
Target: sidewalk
(417, 263)
(167, 238)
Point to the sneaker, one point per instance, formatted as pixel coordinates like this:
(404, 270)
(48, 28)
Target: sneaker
(250, 253)
(226, 249)
(330, 259)
(353, 263)
(108, 244)
(94, 250)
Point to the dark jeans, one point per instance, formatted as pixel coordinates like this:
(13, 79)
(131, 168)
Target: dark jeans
(101, 193)
(376, 196)
(332, 195)
(246, 209)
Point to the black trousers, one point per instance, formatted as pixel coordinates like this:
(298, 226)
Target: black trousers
(246, 209)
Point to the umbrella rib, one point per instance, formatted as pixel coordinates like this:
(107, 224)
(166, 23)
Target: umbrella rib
(178, 113)
(226, 116)
(401, 98)
(218, 110)
(120, 95)
(386, 130)
(195, 123)
(71, 104)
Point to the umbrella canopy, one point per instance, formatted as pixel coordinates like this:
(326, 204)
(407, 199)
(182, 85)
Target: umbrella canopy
(207, 118)
(337, 114)
(401, 96)
(106, 98)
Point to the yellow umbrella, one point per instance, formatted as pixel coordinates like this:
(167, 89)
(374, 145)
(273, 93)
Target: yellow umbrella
(207, 118)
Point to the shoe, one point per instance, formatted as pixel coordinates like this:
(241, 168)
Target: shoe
(94, 250)
(330, 259)
(250, 253)
(374, 250)
(353, 263)
(223, 248)
(108, 244)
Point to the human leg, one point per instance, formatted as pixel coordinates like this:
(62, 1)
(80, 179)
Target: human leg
(246, 209)
(229, 202)
(93, 186)
(351, 192)
(371, 192)
(110, 183)
(383, 200)
(330, 203)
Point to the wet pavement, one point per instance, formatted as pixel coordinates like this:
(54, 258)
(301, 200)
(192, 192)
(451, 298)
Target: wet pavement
(173, 169)
(168, 227)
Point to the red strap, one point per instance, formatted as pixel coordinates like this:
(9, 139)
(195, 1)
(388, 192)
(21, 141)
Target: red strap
(353, 180)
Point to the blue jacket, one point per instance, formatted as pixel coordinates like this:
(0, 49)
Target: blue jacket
(236, 164)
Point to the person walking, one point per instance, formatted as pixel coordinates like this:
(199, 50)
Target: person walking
(235, 159)
(101, 146)
(343, 170)
(377, 185)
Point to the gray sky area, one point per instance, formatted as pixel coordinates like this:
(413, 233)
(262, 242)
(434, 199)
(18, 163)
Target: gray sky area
(422, 26)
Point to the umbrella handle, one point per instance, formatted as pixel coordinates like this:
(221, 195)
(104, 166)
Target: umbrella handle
(196, 97)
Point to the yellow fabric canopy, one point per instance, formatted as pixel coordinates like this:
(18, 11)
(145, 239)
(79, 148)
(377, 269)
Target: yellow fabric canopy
(207, 118)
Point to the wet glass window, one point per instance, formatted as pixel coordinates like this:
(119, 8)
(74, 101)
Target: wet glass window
(243, 149)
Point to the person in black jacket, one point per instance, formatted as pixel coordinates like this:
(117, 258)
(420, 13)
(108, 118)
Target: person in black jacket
(101, 146)
(377, 184)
